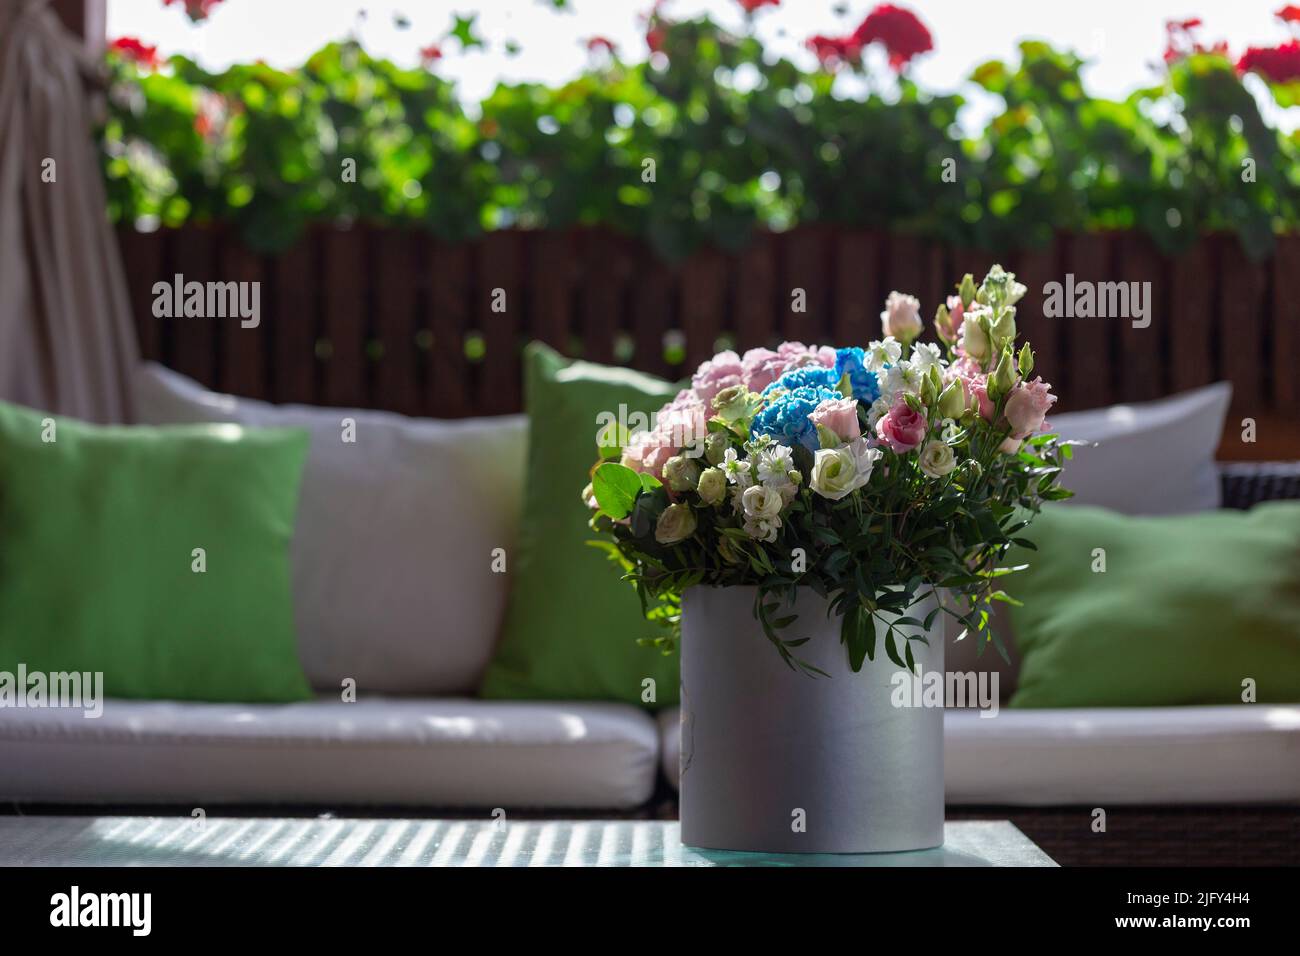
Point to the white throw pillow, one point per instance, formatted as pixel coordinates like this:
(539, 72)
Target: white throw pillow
(1150, 458)
(392, 549)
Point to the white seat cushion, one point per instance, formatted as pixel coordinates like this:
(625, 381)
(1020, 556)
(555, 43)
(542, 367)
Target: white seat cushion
(1248, 753)
(450, 753)
(1141, 755)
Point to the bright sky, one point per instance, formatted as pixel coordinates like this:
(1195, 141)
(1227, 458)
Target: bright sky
(1121, 38)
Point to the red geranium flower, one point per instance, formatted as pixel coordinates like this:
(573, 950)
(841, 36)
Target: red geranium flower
(749, 6)
(600, 43)
(832, 51)
(901, 32)
(1183, 41)
(1277, 64)
(141, 54)
(430, 54)
(196, 10)
(1289, 14)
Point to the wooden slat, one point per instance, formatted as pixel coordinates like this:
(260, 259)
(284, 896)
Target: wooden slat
(194, 338)
(857, 280)
(551, 261)
(1192, 310)
(396, 363)
(343, 316)
(804, 265)
(244, 350)
(703, 299)
(604, 272)
(448, 383)
(500, 268)
(651, 296)
(142, 261)
(1088, 340)
(1241, 334)
(1285, 345)
(1035, 268)
(754, 284)
(295, 274)
(1144, 367)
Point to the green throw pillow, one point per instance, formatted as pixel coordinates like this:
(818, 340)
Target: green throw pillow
(99, 568)
(1186, 609)
(571, 624)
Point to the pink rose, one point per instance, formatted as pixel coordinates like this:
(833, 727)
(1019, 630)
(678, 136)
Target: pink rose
(760, 368)
(903, 428)
(721, 371)
(1027, 407)
(840, 415)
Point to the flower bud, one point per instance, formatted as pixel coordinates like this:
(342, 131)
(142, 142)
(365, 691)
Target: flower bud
(952, 401)
(732, 403)
(966, 289)
(1026, 360)
(715, 447)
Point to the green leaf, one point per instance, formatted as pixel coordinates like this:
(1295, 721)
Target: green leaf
(616, 487)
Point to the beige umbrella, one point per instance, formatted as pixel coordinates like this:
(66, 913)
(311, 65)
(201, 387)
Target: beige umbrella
(67, 342)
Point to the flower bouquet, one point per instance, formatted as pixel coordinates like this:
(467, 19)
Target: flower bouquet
(807, 493)
(874, 476)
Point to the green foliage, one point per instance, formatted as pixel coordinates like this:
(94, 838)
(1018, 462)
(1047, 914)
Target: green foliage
(737, 143)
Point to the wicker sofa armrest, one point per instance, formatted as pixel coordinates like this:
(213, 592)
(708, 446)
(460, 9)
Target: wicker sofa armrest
(1246, 483)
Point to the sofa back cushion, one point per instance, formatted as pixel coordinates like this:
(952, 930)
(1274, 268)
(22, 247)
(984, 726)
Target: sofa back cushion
(157, 558)
(1149, 458)
(393, 554)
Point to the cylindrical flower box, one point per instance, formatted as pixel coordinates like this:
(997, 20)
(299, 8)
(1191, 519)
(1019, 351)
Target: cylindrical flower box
(776, 761)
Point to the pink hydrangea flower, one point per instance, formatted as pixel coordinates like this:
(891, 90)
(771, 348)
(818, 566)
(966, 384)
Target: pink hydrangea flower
(679, 424)
(760, 368)
(797, 355)
(721, 371)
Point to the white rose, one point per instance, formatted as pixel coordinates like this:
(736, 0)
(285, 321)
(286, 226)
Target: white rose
(764, 529)
(936, 459)
(902, 317)
(677, 523)
(712, 486)
(761, 502)
(839, 471)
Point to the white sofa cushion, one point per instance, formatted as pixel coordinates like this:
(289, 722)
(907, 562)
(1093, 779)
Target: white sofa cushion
(1249, 753)
(1151, 458)
(392, 549)
(377, 751)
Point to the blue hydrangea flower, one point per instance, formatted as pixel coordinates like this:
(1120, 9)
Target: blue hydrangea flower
(807, 376)
(853, 361)
(785, 418)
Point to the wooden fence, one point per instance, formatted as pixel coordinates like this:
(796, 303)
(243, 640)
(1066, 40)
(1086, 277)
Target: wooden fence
(393, 319)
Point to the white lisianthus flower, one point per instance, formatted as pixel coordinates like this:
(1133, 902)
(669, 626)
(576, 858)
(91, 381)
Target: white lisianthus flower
(764, 529)
(936, 459)
(736, 469)
(878, 410)
(882, 353)
(775, 464)
(837, 472)
(973, 341)
(925, 355)
(761, 502)
(900, 378)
